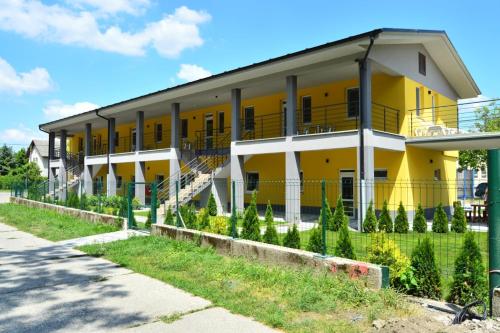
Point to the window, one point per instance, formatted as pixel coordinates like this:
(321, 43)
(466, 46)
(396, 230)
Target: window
(380, 174)
(422, 64)
(80, 144)
(437, 174)
(159, 181)
(184, 128)
(252, 181)
(117, 138)
(353, 103)
(306, 109)
(221, 122)
(249, 119)
(301, 175)
(119, 181)
(159, 132)
(417, 101)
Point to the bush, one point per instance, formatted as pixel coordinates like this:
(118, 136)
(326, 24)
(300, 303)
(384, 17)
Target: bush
(419, 222)
(251, 227)
(73, 201)
(370, 222)
(385, 220)
(123, 210)
(330, 224)
(148, 221)
(384, 251)
(271, 235)
(169, 217)
(335, 221)
(203, 219)
(92, 200)
(425, 270)
(218, 225)
(232, 221)
(315, 243)
(188, 214)
(136, 203)
(212, 205)
(458, 221)
(440, 220)
(292, 238)
(84, 205)
(344, 247)
(401, 225)
(469, 280)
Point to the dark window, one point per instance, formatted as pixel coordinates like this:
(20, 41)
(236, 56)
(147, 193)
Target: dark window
(159, 132)
(422, 66)
(119, 181)
(352, 103)
(184, 128)
(117, 138)
(380, 174)
(159, 181)
(437, 174)
(306, 110)
(221, 122)
(249, 119)
(301, 175)
(80, 144)
(252, 181)
(417, 101)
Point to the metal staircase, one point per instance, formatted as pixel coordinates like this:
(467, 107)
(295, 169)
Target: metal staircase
(196, 175)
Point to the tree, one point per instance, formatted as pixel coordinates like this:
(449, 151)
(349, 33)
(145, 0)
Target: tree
(440, 220)
(487, 120)
(370, 222)
(330, 223)
(419, 222)
(212, 205)
(344, 247)
(271, 235)
(292, 238)
(458, 220)
(385, 220)
(425, 270)
(337, 219)
(401, 225)
(148, 221)
(469, 280)
(169, 217)
(251, 226)
(315, 243)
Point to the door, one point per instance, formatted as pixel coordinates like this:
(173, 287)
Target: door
(133, 136)
(209, 131)
(283, 118)
(347, 191)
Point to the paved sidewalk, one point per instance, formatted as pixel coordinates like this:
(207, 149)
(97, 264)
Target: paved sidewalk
(102, 238)
(49, 287)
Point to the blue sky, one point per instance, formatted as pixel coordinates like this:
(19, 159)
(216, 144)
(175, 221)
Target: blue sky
(62, 57)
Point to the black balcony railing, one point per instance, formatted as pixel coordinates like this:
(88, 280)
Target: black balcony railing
(213, 142)
(157, 140)
(462, 118)
(321, 119)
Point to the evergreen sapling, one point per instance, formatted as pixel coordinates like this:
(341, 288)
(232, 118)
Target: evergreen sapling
(385, 220)
(401, 225)
(419, 222)
(271, 235)
(370, 222)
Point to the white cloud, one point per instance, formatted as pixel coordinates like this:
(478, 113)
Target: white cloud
(56, 109)
(133, 7)
(19, 135)
(192, 72)
(53, 23)
(36, 80)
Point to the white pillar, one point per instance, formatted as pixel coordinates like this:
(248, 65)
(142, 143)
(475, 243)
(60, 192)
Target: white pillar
(88, 185)
(237, 175)
(174, 163)
(111, 180)
(292, 191)
(62, 167)
(366, 185)
(140, 178)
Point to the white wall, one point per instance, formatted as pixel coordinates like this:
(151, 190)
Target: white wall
(42, 162)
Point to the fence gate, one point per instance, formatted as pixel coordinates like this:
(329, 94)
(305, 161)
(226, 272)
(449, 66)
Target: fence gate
(148, 199)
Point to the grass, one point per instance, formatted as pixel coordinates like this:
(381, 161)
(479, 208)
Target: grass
(292, 299)
(49, 224)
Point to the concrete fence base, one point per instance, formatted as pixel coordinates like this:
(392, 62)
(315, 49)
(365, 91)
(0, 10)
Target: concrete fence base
(78, 213)
(374, 276)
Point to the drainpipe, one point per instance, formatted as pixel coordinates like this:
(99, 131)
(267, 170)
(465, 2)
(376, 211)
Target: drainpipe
(107, 120)
(362, 63)
(48, 160)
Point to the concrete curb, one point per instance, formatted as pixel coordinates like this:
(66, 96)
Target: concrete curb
(82, 214)
(371, 274)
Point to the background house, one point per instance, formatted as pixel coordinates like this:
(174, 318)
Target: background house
(38, 152)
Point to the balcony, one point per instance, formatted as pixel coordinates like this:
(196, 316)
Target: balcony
(321, 119)
(216, 141)
(152, 141)
(470, 118)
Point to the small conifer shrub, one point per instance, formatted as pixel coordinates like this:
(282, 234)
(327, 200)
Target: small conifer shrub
(425, 270)
(169, 217)
(211, 205)
(148, 221)
(384, 220)
(401, 225)
(271, 235)
(203, 219)
(315, 243)
(344, 247)
(370, 222)
(292, 238)
(458, 220)
(251, 226)
(440, 220)
(419, 222)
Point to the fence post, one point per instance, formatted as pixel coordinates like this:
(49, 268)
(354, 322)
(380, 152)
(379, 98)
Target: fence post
(177, 213)
(130, 211)
(323, 218)
(233, 211)
(153, 202)
(493, 201)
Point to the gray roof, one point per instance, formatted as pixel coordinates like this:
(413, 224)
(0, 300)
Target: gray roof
(41, 145)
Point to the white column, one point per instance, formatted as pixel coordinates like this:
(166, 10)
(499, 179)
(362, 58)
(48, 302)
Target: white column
(111, 180)
(366, 185)
(62, 167)
(292, 191)
(140, 178)
(237, 175)
(88, 185)
(174, 163)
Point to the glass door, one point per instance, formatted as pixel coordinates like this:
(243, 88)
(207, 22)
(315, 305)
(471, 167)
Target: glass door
(209, 131)
(133, 136)
(283, 121)
(347, 191)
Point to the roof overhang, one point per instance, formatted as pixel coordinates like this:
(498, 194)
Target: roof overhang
(471, 141)
(269, 75)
